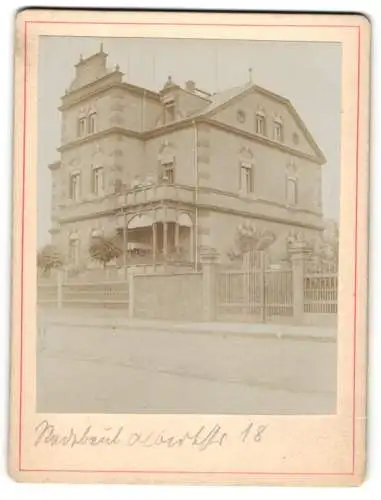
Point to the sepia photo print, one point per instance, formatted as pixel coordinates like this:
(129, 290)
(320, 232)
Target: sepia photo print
(188, 234)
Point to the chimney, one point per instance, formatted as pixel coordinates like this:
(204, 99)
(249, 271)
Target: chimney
(190, 86)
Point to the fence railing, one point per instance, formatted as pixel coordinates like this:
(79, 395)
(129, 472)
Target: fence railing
(255, 293)
(320, 293)
(267, 293)
(279, 298)
(264, 293)
(77, 294)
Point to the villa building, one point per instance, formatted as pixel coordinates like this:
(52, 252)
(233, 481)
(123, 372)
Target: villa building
(178, 169)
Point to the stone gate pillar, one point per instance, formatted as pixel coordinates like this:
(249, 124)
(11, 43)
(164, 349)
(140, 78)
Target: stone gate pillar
(209, 259)
(299, 252)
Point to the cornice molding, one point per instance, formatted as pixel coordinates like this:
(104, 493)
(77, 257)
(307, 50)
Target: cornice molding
(189, 122)
(205, 206)
(99, 87)
(285, 102)
(210, 206)
(261, 139)
(99, 135)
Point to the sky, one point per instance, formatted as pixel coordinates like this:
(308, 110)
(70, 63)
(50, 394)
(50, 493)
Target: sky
(307, 73)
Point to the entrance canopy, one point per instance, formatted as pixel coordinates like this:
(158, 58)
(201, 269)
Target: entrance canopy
(141, 220)
(149, 218)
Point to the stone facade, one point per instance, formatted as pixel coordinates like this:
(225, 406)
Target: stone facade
(179, 167)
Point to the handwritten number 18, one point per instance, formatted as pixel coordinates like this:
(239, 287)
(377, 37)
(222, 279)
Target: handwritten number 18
(253, 433)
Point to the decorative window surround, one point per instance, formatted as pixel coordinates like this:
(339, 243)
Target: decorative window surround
(278, 131)
(97, 180)
(74, 249)
(260, 123)
(246, 172)
(92, 123)
(292, 191)
(75, 185)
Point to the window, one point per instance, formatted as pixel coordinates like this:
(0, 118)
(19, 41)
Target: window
(73, 251)
(74, 186)
(81, 127)
(278, 131)
(246, 179)
(91, 123)
(169, 173)
(260, 127)
(97, 180)
(292, 194)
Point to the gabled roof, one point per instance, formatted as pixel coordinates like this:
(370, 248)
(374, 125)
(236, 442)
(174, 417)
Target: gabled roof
(223, 99)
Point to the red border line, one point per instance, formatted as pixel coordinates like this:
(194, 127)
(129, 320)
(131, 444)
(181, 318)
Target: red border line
(202, 24)
(355, 256)
(355, 269)
(22, 245)
(190, 472)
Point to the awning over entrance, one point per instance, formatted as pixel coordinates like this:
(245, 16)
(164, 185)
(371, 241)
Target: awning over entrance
(148, 218)
(141, 220)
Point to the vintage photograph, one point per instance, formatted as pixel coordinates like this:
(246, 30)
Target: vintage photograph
(188, 226)
(190, 231)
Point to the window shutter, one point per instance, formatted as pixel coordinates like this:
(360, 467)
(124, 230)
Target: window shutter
(70, 187)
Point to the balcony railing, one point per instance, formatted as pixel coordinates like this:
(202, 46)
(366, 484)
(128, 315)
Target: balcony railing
(202, 196)
(157, 192)
(133, 197)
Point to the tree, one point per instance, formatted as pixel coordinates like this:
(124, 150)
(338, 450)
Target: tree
(104, 249)
(331, 240)
(248, 238)
(49, 258)
(326, 249)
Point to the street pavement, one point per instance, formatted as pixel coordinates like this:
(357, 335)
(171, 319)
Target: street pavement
(93, 366)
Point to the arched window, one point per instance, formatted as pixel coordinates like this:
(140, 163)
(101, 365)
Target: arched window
(168, 172)
(291, 184)
(75, 185)
(246, 171)
(278, 129)
(97, 180)
(81, 123)
(247, 178)
(292, 191)
(260, 123)
(92, 123)
(81, 126)
(167, 163)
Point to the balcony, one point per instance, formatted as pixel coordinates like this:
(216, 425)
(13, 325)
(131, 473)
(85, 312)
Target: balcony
(157, 192)
(133, 198)
(203, 197)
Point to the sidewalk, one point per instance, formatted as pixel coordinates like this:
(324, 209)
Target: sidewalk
(113, 320)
